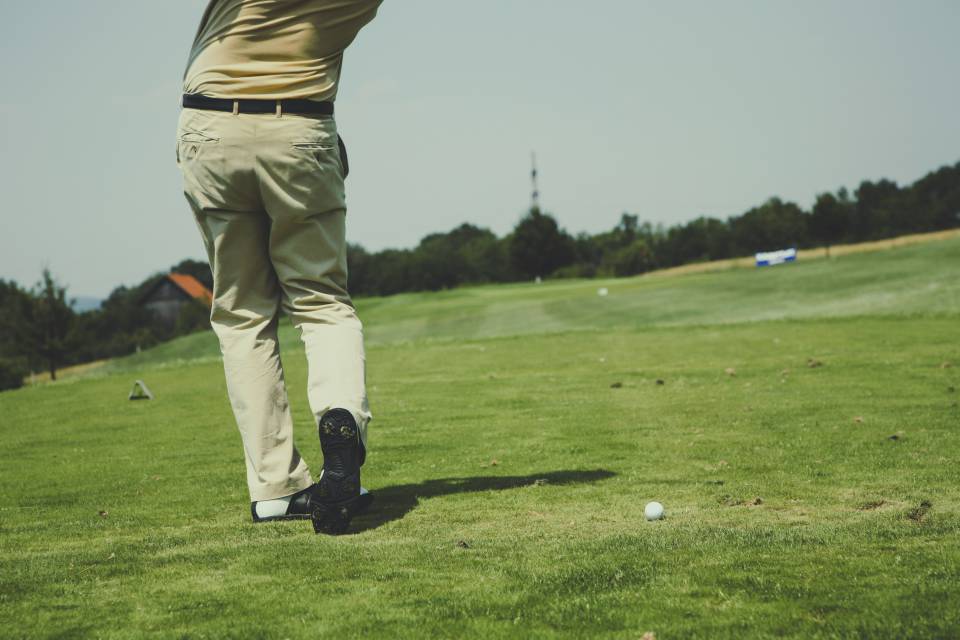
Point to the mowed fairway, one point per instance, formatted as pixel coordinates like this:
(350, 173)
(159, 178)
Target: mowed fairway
(800, 424)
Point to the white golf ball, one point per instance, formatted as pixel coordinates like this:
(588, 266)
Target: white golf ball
(653, 511)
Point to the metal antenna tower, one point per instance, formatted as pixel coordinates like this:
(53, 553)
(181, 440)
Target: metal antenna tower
(535, 198)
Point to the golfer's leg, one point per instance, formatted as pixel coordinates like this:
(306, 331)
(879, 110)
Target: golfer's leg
(302, 189)
(309, 255)
(244, 316)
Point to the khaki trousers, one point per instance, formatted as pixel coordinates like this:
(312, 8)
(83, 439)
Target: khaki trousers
(268, 196)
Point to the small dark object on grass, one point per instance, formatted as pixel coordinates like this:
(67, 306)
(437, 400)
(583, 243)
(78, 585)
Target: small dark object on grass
(616, 385)
(813, 363)
(103, 514)
(946, 365)
(895, 437)
(463, 544)
(871, 505)
(951, 389)
(660, 382)
(858, 419)
(917, 514)
(730, 501)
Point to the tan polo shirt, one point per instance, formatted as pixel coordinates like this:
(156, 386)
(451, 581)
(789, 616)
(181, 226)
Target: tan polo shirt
(274, 49)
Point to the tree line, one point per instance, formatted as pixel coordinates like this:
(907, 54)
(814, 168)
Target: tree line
(39, 330)
(539, 247)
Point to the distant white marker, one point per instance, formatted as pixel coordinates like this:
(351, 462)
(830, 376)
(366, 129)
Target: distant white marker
(771, 258)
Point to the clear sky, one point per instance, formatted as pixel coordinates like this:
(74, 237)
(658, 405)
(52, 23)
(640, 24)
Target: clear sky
(669, 110)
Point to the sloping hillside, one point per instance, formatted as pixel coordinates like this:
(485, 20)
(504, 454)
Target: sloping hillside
(916, 279)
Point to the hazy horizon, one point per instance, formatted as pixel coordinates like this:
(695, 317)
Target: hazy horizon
(667, 112)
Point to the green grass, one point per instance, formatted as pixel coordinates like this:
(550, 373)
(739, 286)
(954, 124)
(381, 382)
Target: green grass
(519, 432)
(916, 279)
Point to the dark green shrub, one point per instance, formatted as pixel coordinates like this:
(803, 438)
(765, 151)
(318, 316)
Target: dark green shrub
(12, 373)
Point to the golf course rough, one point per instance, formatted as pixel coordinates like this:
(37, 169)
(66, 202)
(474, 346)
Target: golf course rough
(511, 471)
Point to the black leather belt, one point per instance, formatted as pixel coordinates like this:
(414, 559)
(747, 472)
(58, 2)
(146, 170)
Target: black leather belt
(298, 106)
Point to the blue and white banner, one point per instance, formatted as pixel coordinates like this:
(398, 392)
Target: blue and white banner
(770, 258)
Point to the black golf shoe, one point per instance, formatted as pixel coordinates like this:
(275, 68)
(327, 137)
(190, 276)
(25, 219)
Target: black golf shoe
(339, 497)
(300, 507)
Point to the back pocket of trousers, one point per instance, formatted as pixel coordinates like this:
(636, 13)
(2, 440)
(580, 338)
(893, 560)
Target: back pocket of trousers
(324, 152)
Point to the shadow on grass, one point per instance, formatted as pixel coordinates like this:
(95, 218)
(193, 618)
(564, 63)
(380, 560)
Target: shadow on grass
(393, 503)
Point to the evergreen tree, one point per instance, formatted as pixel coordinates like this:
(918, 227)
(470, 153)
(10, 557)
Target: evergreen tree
(44, 325)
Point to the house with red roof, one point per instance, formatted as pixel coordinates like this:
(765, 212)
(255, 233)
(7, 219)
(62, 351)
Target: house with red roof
(168, 295)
